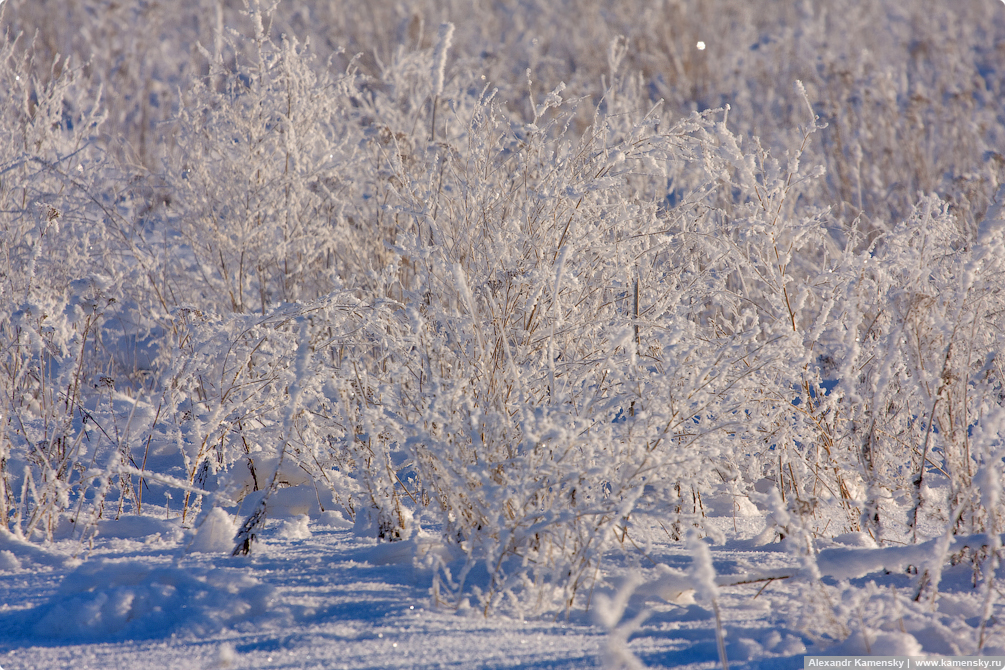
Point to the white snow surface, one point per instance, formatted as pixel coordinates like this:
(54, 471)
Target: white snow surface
(314, 594)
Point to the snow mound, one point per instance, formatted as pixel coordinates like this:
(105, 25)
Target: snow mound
(370, 523)
(296, 529)
(858, 561)
(124, 527)
(878, 643)
(8, 561)
(333, 519)
(674, 586)
(727, 504)
(216, 533)
(291, 501)
(856, 540)
(132, 600)
(16, 553)
(134, 527)
(227, 656)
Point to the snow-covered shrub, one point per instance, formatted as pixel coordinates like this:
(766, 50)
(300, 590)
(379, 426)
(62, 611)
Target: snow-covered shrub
(252, 402)
(140, 53)
(908, 90)
(55, 289)
(571, 336)
(259, 213)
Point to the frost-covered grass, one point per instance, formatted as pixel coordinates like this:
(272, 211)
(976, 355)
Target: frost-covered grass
(537, 304)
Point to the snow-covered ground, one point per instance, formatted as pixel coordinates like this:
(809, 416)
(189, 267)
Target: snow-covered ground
(313, 594)
(329, 600)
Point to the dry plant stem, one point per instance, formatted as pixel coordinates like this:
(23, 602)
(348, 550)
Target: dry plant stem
(720, 639)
